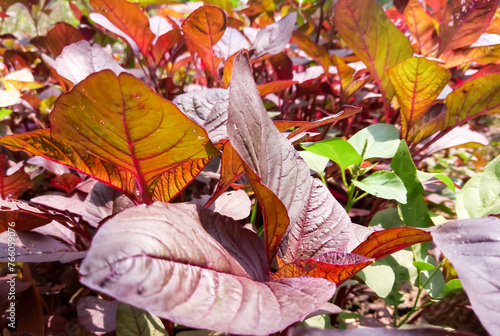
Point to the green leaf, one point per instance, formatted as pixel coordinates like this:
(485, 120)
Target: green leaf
(376, 141)
(338, 150)
(414, 212)
(315, 162)
(423, 266)
(4, 112)
(380, 278)
(424, 176)
(435, 285)
(452, 286)
(387, 218)
(384, 184)
(480, 196)
(367, 30)
(131, 321)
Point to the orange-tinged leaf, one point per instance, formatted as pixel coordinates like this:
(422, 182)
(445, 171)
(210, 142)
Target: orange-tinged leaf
(382, 243)
(203, 29)
(165, 43)
(366, 29)
(472, 99)
(438, 9)
(128, 18)
(274, 212)
(275, 86)
(417, 82)
(11, 185)
(312, 49)
(231, 169)
(465, 21)
(422, 28)
(66, 182)
(334, 272)
(349, 80)
(457, 57)
(228, 70)
(119, 131)
(62, 35)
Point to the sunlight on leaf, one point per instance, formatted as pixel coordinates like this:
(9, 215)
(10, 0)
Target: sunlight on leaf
(422, 28)
(137, 322)
(417, 83)
(365, 28)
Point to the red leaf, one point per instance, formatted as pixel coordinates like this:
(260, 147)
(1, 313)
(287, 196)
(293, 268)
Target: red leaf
(382, 243)
(11, 185)
(62, 35)
(66, 182)
(275, 86)
(128, 18)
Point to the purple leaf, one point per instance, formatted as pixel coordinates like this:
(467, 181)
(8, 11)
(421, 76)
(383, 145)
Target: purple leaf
(231, 42)
(376, 332)
(80, 59)
(198, 276)
(97, 315)
(312, 210)
(207, 108)
(104, 201)
(35, 247)
(273, 38)
(473, 247)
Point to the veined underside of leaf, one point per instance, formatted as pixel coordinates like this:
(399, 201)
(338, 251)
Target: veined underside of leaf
(128, 18)
(196, 268)
(318, 223)
(465, 21)
(367, 30)
(119, 131)
(478, 97)
(203, 29)
(417, 82)
(422, 28)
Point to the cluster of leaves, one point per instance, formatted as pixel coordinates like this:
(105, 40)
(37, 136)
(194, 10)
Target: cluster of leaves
(143, 118)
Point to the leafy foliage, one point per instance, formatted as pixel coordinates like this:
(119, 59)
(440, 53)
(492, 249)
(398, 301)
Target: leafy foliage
(140, 136)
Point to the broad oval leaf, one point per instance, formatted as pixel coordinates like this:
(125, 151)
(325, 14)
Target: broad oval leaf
(12, 185)
(384, 184)
(97, 315)
(466, 20)
(203, 29)
(480, 196)
(230, 43)
(124, 124)
(366, 29)
(338, 150)
(317, 52)
(377, 332)
(127, 20)
(376, 141)
(478, 97)
(417, 83)
(273, 38)
(62, 35)
(80, 59)
(311, 208)
(178, 271)
(473, 247)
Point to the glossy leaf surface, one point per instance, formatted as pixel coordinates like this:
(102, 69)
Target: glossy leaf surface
(273, 38)
(376, 141)
(472, 246)
(366, 29)
(384, 184)
(382, 243)
(128, 19)
(203, 29)
(417, 82)
(338, 150)
(210, 285)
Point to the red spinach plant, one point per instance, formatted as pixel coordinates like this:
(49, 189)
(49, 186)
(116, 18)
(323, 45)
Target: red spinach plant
(197, 267)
